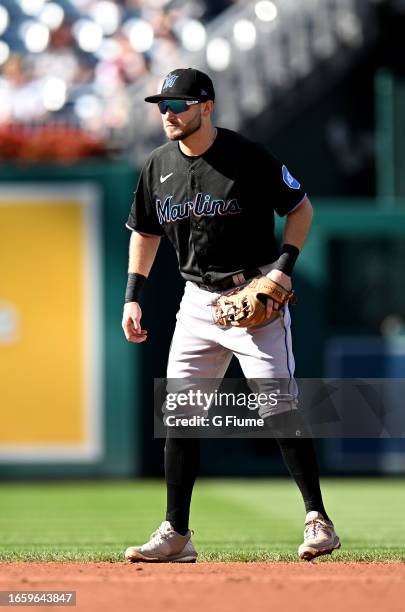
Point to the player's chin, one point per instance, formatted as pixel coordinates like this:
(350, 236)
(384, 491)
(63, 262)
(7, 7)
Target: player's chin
(173, 132)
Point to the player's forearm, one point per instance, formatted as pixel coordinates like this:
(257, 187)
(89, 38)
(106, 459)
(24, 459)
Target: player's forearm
(142, 253)
(297, 225)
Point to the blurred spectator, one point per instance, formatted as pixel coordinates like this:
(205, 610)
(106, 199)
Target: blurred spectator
(76, 62)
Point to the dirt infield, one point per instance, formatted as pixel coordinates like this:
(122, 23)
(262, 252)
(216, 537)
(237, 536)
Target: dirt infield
(222, 587)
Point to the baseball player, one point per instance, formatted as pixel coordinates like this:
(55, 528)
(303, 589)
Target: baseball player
(213, 193)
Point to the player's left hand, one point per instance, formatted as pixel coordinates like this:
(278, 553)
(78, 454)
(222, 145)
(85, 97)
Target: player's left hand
(282, 279)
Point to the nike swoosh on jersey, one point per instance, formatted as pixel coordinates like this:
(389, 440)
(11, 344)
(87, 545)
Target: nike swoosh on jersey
(164, 178)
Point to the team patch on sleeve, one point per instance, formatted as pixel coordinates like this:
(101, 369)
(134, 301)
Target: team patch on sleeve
(289, 180)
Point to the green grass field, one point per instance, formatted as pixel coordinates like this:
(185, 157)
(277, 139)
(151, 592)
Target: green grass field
(241, 520)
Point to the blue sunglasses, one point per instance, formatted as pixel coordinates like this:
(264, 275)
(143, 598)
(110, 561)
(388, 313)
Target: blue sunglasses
(175, 106)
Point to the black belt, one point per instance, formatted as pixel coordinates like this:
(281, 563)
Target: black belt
(230, 281)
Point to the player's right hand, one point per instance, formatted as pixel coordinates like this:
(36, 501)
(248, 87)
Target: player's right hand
(131, 323)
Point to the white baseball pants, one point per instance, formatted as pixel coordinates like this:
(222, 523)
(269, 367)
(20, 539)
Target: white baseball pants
(201, 349)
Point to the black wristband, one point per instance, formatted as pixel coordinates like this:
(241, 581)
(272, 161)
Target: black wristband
(134, 287)
(285, 263)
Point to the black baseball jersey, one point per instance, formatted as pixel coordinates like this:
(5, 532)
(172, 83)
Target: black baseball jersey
(218, 208)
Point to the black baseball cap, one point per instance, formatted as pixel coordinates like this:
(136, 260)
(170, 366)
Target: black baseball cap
(185, 84)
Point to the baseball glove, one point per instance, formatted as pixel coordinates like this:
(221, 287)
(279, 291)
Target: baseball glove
(246, 306)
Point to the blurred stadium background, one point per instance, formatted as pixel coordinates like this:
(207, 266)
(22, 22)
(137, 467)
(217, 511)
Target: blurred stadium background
(321, 82)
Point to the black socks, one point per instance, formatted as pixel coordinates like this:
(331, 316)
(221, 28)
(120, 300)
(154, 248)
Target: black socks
(300, 459)
(182, 462)
(298, 451)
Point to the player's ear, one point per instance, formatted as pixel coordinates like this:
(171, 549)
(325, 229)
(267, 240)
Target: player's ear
(207, 108)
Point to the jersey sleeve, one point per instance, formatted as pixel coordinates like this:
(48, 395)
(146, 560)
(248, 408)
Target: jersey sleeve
(286, 191)
(142, 217)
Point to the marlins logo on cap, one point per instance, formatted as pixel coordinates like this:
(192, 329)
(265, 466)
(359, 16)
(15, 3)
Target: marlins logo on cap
(170, 81)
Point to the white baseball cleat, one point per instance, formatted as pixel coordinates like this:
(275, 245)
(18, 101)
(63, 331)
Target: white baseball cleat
(320, 537)
(165, 546)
